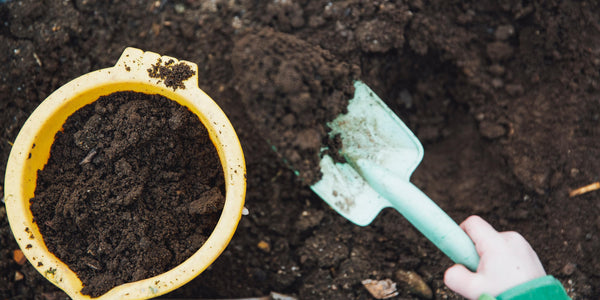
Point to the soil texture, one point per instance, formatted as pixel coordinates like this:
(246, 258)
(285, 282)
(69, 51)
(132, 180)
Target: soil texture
(171, 73)
(291, 89)
(505, 98)
(132, 188)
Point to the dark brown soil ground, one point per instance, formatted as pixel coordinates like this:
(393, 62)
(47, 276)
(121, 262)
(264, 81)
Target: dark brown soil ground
(133, 187)
(505, 98)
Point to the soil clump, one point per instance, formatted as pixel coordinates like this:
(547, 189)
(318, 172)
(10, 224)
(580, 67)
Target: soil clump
(291, 90)
(171, 73)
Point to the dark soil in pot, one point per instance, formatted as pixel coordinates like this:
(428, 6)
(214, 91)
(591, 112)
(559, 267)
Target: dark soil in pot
(132, 188)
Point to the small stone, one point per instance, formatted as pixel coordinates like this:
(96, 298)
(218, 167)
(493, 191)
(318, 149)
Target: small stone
(264, 246)
(19, 276)
(491, 130)
(503, 32)
(236, 23)
(19, 257)
(381, 289)
(574, 172)
(415, 283)
(309, 219)
(179, 8)
(497, 83)
(499, 50)
(406, 98)
(569, 268)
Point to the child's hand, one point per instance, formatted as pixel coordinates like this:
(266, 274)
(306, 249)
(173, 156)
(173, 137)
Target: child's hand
(506, 260)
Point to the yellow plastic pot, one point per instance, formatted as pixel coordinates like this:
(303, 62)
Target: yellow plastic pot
(31, 151)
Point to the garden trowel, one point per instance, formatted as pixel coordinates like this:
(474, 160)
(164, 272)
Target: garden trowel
(381, 153)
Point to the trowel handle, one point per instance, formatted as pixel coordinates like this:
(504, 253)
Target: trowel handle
(424, 214)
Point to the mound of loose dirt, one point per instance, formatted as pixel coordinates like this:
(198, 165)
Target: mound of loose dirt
(291, 89)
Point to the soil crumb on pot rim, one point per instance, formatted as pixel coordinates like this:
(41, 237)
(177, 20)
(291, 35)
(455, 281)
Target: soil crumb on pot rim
(171, 73)
(132, 188)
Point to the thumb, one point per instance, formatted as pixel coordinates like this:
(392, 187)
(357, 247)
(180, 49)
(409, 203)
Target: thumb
(462, 281)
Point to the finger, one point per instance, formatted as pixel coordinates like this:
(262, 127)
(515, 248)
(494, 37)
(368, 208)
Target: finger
(522, 248)
(462, 281)
(483, 235)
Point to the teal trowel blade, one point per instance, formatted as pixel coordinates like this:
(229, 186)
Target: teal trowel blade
(369, 129)
(381, 154)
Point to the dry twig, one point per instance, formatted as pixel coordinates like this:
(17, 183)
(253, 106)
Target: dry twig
(585, 189)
